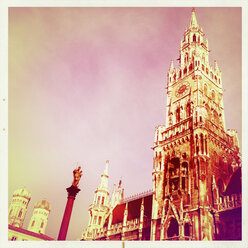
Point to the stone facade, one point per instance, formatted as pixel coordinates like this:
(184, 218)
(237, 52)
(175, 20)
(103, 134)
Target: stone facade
(195, 161)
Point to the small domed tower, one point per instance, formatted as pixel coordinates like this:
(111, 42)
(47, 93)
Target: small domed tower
(39, 218)
(18, 207)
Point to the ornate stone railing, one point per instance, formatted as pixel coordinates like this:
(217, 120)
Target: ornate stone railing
(133, 224)
(102, 232)
(218, 132)
(117, 228)
(230, 202)
(174, 132)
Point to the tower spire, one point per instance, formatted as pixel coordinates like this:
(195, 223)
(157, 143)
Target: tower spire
(172, 67)
(193, 21)
(106, 168)
(104, 177)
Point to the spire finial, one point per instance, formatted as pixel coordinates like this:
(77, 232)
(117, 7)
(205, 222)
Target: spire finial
(106, 168)
(216, 67)
(172, 65)
(193, 21)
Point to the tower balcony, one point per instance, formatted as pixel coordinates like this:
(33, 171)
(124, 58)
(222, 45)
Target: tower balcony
(230, 202)
(217, 132)
(176, 131)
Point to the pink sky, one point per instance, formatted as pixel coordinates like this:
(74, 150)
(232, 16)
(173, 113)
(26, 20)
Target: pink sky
(88, 84)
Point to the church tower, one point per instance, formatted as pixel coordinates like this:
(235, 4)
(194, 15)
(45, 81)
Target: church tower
(100, 206)
(38, 221)
(18, 207)
(193, 152)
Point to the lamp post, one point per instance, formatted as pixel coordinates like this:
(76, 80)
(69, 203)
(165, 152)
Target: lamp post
(72, 192)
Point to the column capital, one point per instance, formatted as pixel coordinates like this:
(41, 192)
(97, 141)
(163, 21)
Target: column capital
(72, 191)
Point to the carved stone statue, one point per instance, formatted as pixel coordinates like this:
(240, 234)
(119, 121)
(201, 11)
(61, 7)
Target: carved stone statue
(77, 173)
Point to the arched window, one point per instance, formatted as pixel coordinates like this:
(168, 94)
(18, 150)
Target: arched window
(205, 89)
(173, 229)
(188, 110)
(185, 71)
(33, 223)
(197, 143)
(102, 200)
(94, 222)
(216, 117)
(186, 230)
(199, 39)
(99, 220)
(191, 67)
(194, 38)
(42, 224)
(20, 213)
(220, 186)
(178, 114)
(202, 143)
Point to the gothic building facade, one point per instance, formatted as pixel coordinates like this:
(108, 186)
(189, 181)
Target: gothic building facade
(196, 171)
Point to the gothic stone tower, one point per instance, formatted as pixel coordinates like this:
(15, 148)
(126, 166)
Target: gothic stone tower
(194, 155)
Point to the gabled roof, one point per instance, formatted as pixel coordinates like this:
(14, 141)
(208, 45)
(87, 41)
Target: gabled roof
(234, 186)
(27, 232)
(133, 209)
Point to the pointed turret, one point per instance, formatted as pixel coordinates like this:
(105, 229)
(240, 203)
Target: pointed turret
(113, 198)
(172, 67)
(106, 168)
(104, 177)
(99, 209)
(193, 21)
(216, 67)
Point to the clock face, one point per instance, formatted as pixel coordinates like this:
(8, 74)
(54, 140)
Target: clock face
(182, 89)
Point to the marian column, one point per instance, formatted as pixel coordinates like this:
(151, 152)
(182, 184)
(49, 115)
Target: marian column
(72, 192)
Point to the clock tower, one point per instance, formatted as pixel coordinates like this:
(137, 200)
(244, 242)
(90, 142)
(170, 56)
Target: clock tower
(194, 155)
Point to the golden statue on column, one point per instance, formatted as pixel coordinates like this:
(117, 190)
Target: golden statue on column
(77, 173)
